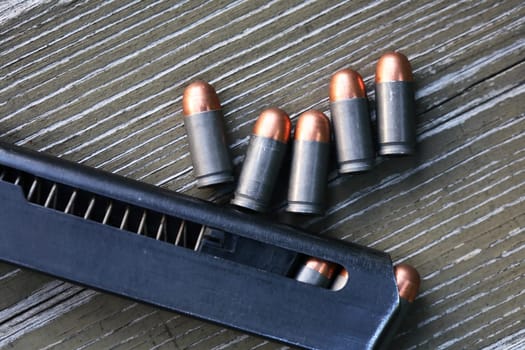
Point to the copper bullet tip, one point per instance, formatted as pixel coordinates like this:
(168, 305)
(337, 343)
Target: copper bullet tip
(346, 84)
(199, 97)
(313, 126)
(273, 123)
(408, 281)
(324, 268)
(393, 66)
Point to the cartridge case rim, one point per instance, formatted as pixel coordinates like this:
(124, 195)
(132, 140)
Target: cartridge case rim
(305, 208)
(214, 179)
(248, 202)
(355, 166)
(393, 149)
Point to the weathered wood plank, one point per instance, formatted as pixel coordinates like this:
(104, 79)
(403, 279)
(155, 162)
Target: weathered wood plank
(18, 284)
(101, 83)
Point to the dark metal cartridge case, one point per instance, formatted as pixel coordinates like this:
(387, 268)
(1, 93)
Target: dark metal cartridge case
(351, 120)
(316, 272)
(308, 177)
(263, 161)
(204, 125)
(395, 105)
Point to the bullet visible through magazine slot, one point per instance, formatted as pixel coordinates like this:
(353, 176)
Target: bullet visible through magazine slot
(159, 226)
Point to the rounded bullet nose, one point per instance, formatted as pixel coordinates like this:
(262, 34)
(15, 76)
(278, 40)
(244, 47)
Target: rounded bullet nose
(199, 97)
(273, 123)
(340, 280)
(322, 267)
(408, 281)
(393, 66)
(313, 126)
(346, 84)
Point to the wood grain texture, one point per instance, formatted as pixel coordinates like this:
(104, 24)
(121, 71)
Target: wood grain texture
(100, 83)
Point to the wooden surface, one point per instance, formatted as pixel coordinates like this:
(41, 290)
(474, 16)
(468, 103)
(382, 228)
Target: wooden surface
(100, 83)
